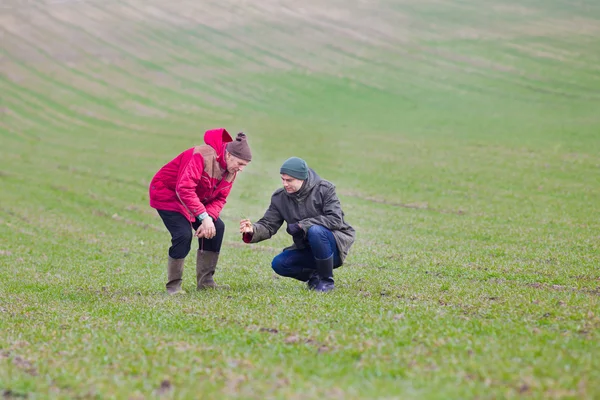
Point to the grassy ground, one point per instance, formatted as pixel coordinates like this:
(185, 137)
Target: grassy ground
(463, 137)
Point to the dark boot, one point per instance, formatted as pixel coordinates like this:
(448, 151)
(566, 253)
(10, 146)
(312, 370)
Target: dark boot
(174, 275)
(310, 276)
(313, 280)
(325, 275)
(206, 264)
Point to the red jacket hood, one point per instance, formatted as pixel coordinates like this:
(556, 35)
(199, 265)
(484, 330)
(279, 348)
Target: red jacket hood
(217, 139)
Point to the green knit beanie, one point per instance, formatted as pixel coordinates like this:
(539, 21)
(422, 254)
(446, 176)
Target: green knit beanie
(295, 167)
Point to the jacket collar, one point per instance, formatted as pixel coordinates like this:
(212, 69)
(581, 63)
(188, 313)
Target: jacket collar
(309, 183)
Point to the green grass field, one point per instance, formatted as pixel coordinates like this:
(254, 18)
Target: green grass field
(464, 140)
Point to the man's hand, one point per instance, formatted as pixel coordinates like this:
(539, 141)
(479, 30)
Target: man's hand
(294, 229)
(207, 229)
(246, 226)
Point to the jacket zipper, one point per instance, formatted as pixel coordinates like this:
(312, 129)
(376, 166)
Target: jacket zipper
(183, 204)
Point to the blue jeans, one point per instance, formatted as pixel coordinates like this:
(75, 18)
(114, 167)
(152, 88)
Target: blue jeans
(300, 264)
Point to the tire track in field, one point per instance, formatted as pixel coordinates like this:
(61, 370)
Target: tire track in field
(466, 64)
(221, 76)
(180, 57)
(318, 34)
(31, 102)
(538, 84)
(561, 65)
(53, 122)
(517, 77)
(236, 43)
(250, 89)
(203, 31)
(94, 121)
(338, 39)
(324, 61)
(102, 88)
(79, 93)
(148, 63)
(245, 89)
(129, 76)
(559, 55)
(17, 124)
(486, 71)
(421, 76)
(532, 85)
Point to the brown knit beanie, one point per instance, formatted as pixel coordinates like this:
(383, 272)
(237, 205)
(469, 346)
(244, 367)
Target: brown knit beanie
(239, 148)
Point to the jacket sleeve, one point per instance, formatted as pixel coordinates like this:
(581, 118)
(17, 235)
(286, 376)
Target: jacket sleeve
(188, 178)
(332, 217)
(267, 226)
(215, 206)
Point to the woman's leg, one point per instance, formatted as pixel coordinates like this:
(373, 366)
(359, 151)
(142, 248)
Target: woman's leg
(181, 242)
(208, 257)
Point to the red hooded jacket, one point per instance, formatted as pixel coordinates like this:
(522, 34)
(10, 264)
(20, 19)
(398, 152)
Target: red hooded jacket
(195, 181)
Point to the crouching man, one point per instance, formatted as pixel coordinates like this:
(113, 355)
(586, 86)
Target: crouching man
(189, 193)
(315, 220)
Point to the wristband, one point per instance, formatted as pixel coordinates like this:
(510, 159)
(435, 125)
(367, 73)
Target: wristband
(202, 216)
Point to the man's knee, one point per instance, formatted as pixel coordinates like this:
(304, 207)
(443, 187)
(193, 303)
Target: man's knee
(317, 235)
(317, 231)
(277, 265)
(280, 266)
(321, 241)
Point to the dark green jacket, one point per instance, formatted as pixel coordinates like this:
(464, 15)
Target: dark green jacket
(316, 203)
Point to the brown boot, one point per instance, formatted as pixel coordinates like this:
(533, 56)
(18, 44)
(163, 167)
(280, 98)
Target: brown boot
(174, 275)
(206, 263)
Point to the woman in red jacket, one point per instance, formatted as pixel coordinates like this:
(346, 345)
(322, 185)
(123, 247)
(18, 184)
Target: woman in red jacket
(189, 193)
